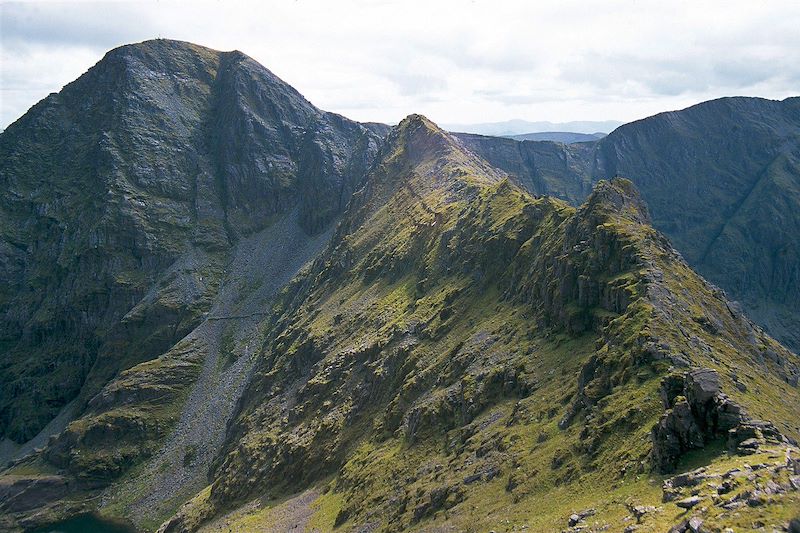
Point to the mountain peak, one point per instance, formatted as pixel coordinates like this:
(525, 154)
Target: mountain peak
(416, 120)
(174, 149)
(420, 152)
(163, 49)
(163, 44)
(618, 195)
(423, 144)
(151, 62)
(419, 132)
(171, 46)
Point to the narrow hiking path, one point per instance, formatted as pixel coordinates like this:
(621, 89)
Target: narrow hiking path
(291, 515)
(230, 338)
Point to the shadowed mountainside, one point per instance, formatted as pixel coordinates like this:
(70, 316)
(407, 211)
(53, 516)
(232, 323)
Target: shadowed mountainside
(722, 180)
(565, 137)
(123, 195)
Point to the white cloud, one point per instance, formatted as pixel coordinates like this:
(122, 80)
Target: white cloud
(453, 60)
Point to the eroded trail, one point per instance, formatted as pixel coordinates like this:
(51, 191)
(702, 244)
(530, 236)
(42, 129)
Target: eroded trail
(292, 515)
(230, 337)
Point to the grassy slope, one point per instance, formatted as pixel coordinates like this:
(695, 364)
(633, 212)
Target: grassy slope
(468, 357)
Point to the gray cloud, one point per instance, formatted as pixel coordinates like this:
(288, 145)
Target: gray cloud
(422, 85)
(92, 24)
(455, 61)
(677, 76)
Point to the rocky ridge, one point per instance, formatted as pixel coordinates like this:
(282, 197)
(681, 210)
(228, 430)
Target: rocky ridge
(721, 179)
(415, 362)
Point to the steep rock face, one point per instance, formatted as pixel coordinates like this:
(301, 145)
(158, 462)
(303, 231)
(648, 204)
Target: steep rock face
(464, 352)
(565, 171)
(722, 180)
(696, 413)
(124, 193)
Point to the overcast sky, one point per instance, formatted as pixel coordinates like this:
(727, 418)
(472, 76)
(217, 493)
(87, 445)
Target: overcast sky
(454, 61)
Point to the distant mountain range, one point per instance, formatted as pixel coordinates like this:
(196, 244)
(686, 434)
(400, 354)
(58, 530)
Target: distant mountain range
(223, 308)
(521, 127)
(558, 136)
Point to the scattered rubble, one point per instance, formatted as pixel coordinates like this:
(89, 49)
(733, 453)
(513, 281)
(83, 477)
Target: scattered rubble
(577, 518)
(706, 493)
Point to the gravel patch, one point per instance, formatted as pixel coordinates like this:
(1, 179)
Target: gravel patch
(262, 264)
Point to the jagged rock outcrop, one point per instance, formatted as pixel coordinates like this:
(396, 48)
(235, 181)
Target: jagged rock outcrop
(748, 436)
(696, 412)
(722, 180)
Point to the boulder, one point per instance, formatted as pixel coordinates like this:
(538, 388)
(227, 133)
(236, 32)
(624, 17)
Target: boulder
(676, 432)
(695, 524)
(746, 437)
(748, 447)
(729, 413)
(576, 518)
(680, 527)
(701, 385)
(688, 503)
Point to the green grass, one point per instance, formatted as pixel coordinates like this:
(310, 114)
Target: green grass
(459, 328)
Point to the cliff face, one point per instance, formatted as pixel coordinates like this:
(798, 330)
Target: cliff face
(565, 171)
(123, 196)
(722, 180)
(463, 352)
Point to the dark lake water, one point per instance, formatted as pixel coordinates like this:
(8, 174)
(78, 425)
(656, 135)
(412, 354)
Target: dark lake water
(87, 523)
